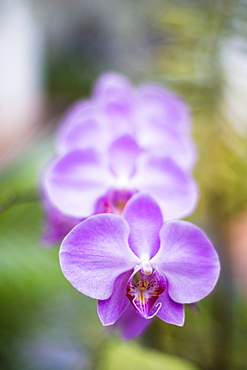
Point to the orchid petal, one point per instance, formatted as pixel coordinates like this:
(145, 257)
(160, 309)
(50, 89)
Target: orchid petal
(170, 311)
(95, 253)
(123, 153)
(131, 324)
(188, 260)
(74, 182)
(113, 88)
(77, 113)
(114, 94)
(89, 132)
(110, 309)
(145, 220)
(156, 102)
(172, 188)
(162, 140)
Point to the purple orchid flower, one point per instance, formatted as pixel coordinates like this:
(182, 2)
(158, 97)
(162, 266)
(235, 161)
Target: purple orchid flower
(121, 140)
(83, 182)
(137, 267)
(157, 119)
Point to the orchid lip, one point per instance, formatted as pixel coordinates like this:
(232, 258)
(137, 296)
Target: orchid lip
(143, 313)
(114, 201)
(143, 290)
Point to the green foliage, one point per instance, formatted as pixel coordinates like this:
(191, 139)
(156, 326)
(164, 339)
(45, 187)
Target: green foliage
(45, 323)
(40, 311)
(129, 355)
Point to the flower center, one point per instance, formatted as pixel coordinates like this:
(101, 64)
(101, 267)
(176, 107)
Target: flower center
(144, 290)
(114, 201)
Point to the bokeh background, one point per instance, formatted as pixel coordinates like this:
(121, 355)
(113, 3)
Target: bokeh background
(50, 54)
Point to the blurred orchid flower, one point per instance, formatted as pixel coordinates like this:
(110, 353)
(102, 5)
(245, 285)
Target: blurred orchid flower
(83, 182)
(135, 262)
(121, 140)
(157, 119)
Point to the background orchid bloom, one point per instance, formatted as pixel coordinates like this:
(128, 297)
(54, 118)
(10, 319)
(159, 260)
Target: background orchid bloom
(136, 262)
(160, 119)
(156, 118)
(83, 182)
(121, 140)
(84, 126)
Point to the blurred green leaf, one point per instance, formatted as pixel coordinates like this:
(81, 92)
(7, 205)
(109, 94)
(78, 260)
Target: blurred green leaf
(129, 356)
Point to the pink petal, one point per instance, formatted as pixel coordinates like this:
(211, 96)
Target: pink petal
(170, 311)
(145, 220)
(162, 104)
(114, 95)
(131, 324)
(173, 189)
(162, 140)
(91, 131)
(188, 260)
(74, 182)
(113, 88)
(77, 113)
(123, 154)
(110, 309)
(95, 253)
